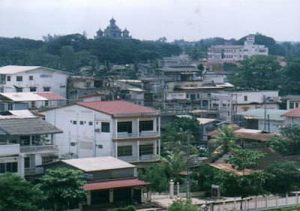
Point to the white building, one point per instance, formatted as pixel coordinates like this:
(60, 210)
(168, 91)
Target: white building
(32, 79)
(234, 53)
(30, 100)
(25, 143)
(107, 128)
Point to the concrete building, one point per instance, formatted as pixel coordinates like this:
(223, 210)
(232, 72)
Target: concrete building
(30, 100)
(292, 117)
(267, 120)
(25, 143)
(33, 79)
(109, 180)
(235, 53)
(107, 128)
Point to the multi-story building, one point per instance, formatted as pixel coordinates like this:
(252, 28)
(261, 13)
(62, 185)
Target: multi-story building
(32, 79)
(25, 143)
(234, 53)
(107, 128)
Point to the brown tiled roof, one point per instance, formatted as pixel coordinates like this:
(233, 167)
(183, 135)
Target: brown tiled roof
(50, 96)
(292, 113)
(126, 183)
(119, 108)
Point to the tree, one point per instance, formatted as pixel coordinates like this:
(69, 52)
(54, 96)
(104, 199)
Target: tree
(291, 77)
(18, 194)
(245, 158)
(226, 140)
(283, 177)
(182, 205)
(258, 73)
(62, 188)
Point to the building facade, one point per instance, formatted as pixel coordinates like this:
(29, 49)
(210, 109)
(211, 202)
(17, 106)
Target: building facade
(32, 79)
(107, 128)
(235, 53)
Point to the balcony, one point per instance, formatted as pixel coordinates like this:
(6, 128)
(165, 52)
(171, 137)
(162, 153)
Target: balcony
(39, 149)
(142, 134)
(141, 158)
(33, 171)
(9, 149)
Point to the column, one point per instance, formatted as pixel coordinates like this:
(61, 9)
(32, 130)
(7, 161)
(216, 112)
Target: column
(171, 188)
(116, 128)
(111, 196)
(88, 198)
(138, 149)
(116, 149)
(21, 170)
(138, 127)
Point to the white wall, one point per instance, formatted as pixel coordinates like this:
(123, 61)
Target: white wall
(41, 78)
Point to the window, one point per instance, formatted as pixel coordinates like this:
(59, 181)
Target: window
(125, 127)
(46, 89)
(81, 122)
(105, 127)
(8, 78)
(124, 150)
(27, 162)
(10, 106)
(48, 159)
(19, 89)
(8, 167)
(19, 78)
(46, 103)
(25, 140)
(146, 149)
(30, 77)
(75, 122)
(146, 125)
(245, 98)
(291, 105)
(33, 104)
(32, 89)
(90, 123)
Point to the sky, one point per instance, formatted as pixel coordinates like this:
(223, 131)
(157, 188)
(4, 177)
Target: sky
(151, 19)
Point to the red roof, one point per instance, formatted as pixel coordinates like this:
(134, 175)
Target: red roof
(292, 113)
(114, 184)
(119, 108)
(50, 95)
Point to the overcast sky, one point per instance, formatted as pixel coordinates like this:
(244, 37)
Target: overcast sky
(151, 19)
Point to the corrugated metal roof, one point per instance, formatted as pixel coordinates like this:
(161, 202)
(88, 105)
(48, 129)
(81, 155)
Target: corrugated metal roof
(274, 114)
(23, 96)
(13, 69)
(50, 96)
(114, 184)
(27, 126)
(98, 163)
(119, 108)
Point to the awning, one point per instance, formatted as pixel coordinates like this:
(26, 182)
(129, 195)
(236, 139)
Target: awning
(115, 184)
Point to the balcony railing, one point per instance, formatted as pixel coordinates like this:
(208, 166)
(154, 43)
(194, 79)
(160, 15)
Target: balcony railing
(34, 171)
(141, 158)
(142, 134)
(9, 149)
(39, 148)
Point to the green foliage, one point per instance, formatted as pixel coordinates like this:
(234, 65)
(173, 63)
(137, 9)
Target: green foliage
(18, 194)
(289, 141)
(62, 188)
(291, 77)
(226, 141)
(182, 205)
(176, 134)
(283, 177)
(129, 208)
(245, 158)
(74, 51)
(157, 176)
(258, 73)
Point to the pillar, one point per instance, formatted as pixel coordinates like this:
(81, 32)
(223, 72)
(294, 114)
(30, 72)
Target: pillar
(88, 198)
(111, 196)
(178, 190)
(171, 188)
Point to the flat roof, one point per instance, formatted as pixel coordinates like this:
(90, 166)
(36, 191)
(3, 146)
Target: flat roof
(126, 183)
(272, 114)
(98, 163)
(13, 69)
(204, 121)
(31, 96)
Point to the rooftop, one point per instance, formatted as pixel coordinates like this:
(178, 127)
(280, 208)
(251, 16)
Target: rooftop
(292, 113)
(31, 96)
(119, 108)
(13, 69)
(98, 164)
(272, 114)
(126, 183)
(27, 126)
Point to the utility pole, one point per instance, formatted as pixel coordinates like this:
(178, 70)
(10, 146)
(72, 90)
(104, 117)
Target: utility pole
(188, 167)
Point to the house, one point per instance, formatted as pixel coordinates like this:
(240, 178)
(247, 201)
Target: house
(25, 143)
(109, 180)
(107, 128)
(291, 101)
(235, 53)
(292, 117)
(33, 79)
(268, 120)
(30, 100)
